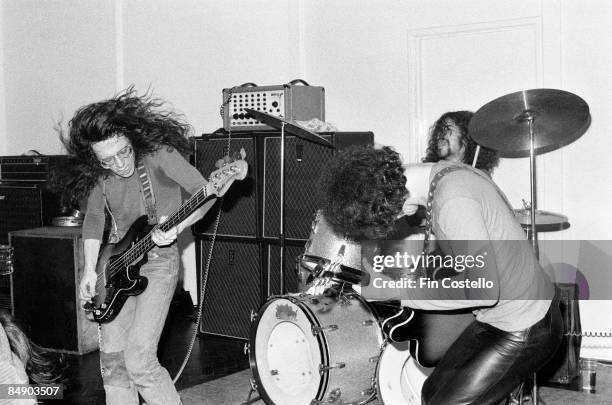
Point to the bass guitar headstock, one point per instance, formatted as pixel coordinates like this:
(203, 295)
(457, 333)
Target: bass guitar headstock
(229, 170)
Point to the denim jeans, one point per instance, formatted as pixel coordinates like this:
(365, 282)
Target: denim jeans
(128, 346)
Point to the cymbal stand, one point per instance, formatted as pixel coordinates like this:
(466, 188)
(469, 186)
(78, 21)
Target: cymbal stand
(532, 233)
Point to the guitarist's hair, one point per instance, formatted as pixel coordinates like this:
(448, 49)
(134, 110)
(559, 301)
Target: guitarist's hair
(362, 191)
(143, 119)
(39, 366)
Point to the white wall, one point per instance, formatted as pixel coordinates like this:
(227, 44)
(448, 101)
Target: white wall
(60, 54)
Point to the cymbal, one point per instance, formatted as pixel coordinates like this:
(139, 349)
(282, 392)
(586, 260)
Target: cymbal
(277, 122)
(545, 221)
(559, 118)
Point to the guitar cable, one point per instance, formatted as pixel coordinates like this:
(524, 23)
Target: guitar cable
(201, 299)
(204, 276)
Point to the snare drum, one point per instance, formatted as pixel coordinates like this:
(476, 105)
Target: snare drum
(303, 350)
(399, 379)
(6, 260)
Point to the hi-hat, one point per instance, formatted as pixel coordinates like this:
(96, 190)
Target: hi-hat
(277, 122)
(545, 221)
(559, 118)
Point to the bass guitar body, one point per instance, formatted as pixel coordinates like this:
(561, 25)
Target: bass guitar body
(118, 266)
(119, 274)
(430, 333)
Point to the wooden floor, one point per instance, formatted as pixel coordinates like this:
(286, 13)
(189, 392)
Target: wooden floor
(211, 358)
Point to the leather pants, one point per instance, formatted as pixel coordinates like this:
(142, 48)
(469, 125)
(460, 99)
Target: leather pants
(485, 364)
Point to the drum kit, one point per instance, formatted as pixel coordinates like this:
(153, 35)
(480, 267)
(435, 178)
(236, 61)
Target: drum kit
(329, 348)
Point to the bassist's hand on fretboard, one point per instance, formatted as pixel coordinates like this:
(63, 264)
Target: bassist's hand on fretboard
(161, 238)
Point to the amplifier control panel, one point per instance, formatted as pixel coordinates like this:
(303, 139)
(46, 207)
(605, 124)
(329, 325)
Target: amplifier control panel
(286, 101)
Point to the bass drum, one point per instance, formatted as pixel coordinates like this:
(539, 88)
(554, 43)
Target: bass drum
(399, 378)
(306, 350)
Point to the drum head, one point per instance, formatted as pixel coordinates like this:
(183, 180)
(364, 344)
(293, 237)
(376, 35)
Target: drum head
(285, 355)
(399, 378)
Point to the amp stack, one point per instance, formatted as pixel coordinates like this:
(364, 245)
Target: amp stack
(245, 265)
(25, 202)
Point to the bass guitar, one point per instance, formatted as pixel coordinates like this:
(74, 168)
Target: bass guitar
(118, 266)
(430, 333)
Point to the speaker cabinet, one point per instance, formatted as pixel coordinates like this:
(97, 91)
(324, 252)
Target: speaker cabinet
(232, 285)
(251, 207)
(303, 163)
(239, 205)
(292, 271)
(46, 278)
(25, 206)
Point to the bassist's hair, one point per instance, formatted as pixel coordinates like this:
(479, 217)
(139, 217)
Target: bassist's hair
(145, 120)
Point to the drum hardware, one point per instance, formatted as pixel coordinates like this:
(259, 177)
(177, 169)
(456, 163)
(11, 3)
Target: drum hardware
(367, 323)
(246, 348)
(371, 391)
(253, 315)
(280, 123)
(252, 389)
(509, 124)
(546, 221)
(316, 330)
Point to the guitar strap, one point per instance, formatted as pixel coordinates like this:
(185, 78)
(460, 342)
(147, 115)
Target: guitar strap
(430, 195)
(147, 193)
(428, 215)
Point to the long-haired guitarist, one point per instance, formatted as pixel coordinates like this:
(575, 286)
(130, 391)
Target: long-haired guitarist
(127, 161)
(517, 324)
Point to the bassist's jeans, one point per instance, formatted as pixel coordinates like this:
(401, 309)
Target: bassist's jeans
(128, 347)
(485, 363)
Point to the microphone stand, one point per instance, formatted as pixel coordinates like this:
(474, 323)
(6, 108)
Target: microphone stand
(282, 211)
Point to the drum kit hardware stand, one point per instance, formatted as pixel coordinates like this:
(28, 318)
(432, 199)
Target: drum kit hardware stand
(528, 123)
(284, 125)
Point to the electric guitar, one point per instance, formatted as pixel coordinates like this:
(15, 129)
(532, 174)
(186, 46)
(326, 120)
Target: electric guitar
(118, 266)
(431, 333)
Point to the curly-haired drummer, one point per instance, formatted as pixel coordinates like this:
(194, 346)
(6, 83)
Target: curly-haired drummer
(517, 324)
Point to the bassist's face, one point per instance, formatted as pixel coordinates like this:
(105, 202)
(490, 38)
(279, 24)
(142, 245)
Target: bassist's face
(116, 154)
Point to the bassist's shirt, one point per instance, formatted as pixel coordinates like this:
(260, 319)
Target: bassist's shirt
(168, 172)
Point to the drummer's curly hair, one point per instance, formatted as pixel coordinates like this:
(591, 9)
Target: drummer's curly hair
(362, 191)
(143, 119)
(488, 159)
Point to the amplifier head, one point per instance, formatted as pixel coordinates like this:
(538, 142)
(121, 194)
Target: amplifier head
(285, 101)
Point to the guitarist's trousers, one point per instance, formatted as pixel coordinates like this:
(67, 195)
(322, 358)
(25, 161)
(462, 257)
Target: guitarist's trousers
(128, 351)
(485, 363)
